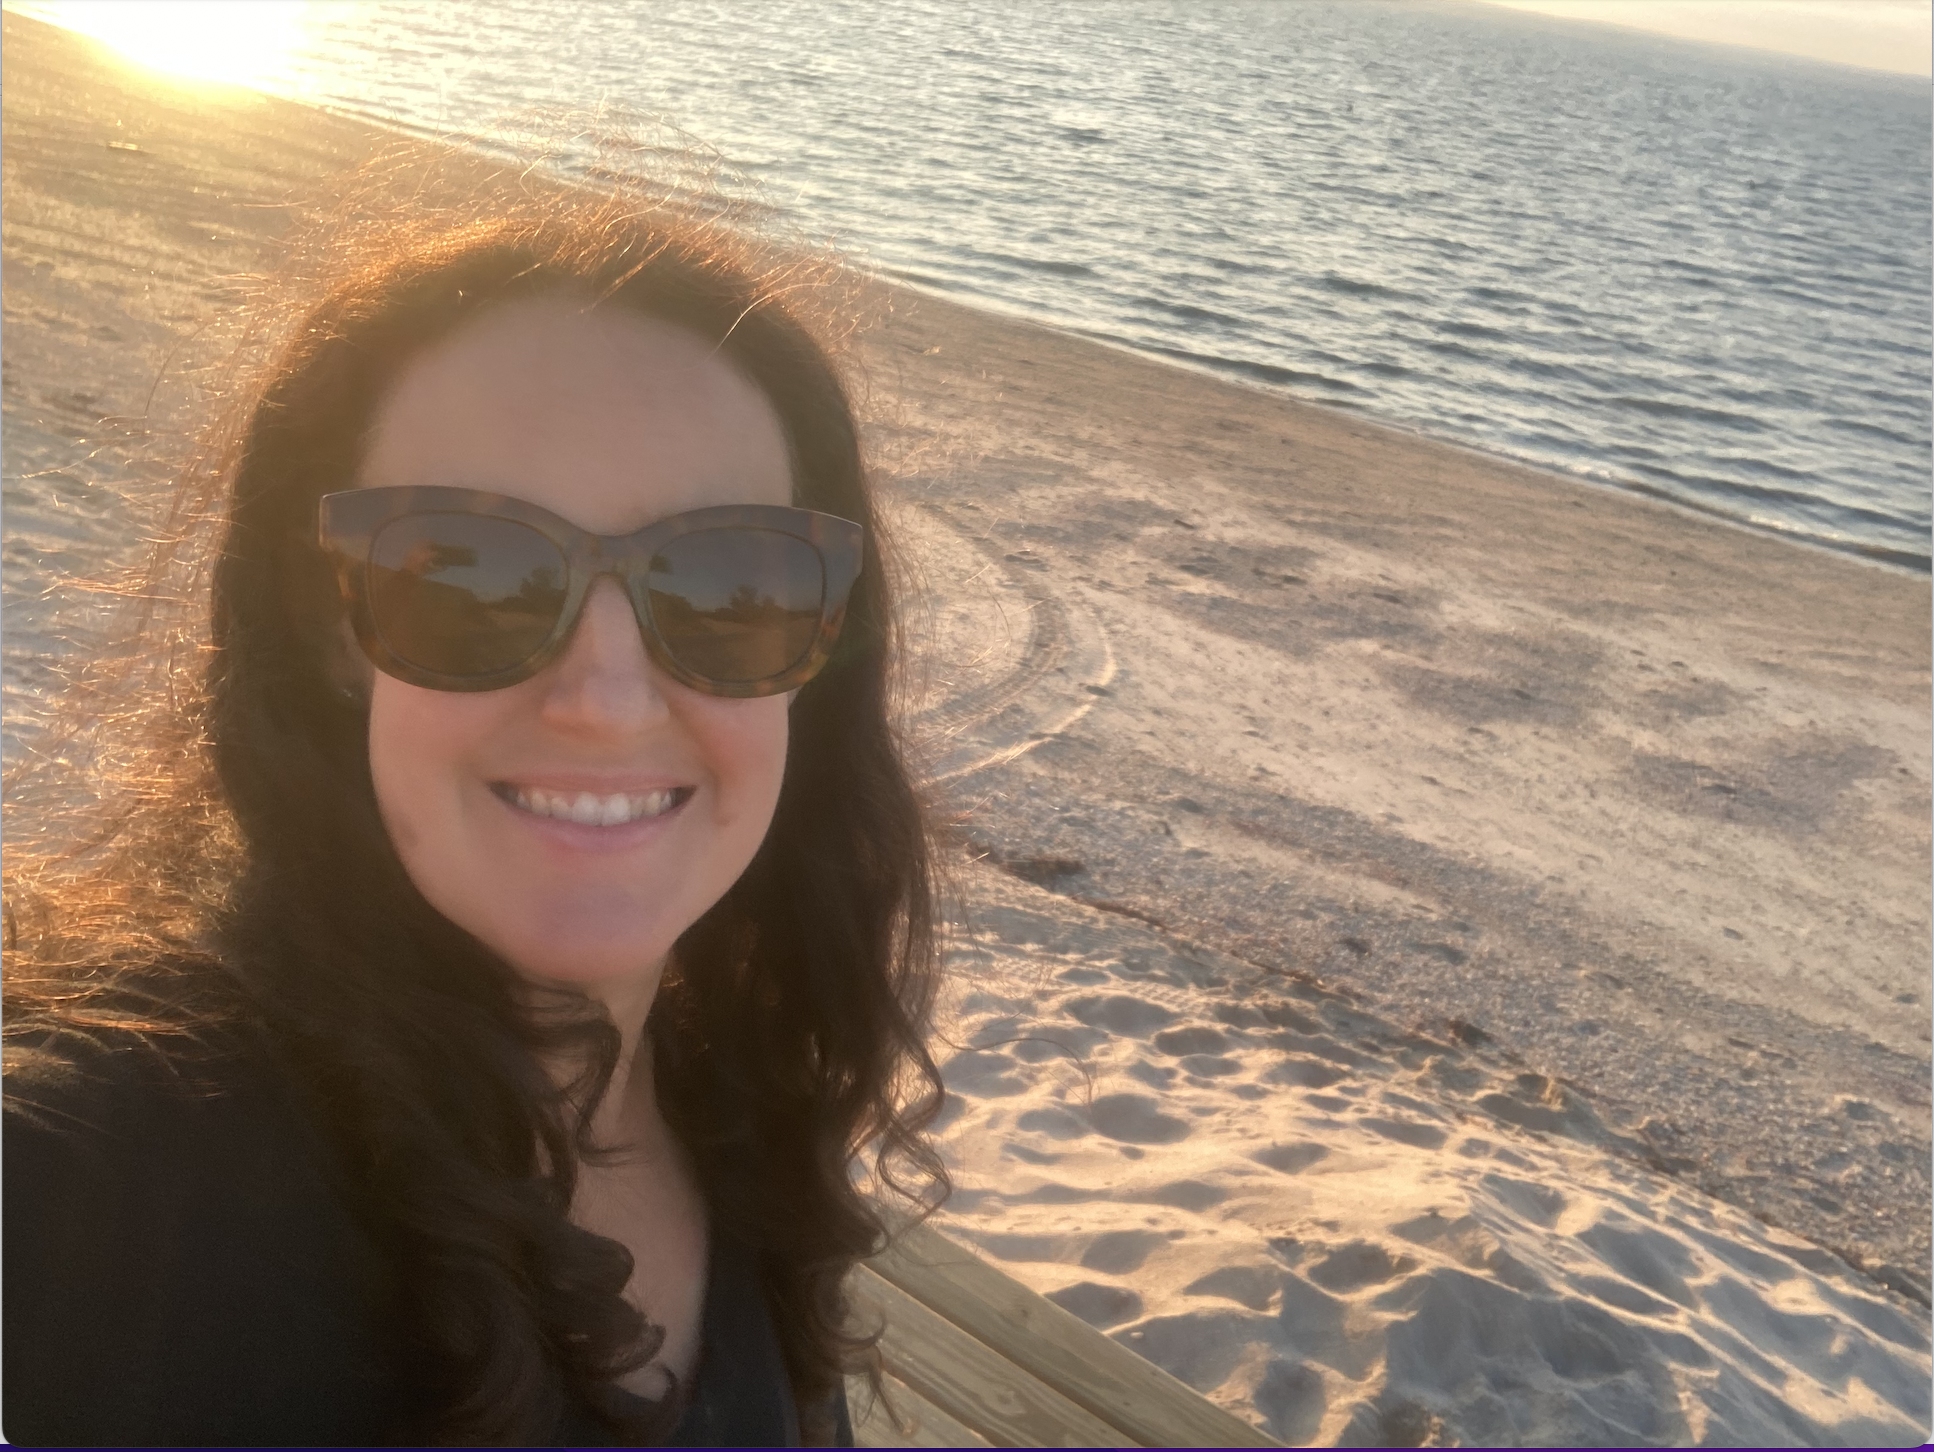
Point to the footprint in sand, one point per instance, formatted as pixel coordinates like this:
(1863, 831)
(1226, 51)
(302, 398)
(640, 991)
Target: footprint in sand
(1119, 1013)
(1192, 1195)
(1291, 1400)
(1404, 1131)
(1656, 1261)
(1193, 1039)
(1202, 1348)
(1316, 1326)
(1209, 1066)
(1026, 1156)
(1136, 1119)
(1053, 1121)
(1291, 1159)
(1539, 1204)
(982, 1075)
(1253, 1286)
(1304, 1074)
(1358, 1264)
(1097, 1304)
(1117, 1252)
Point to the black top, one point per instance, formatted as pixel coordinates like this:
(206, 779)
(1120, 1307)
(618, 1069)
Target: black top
(182, 1267)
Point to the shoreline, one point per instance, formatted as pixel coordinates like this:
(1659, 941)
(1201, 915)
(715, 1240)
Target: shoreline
(1572, 843)
(1910, 565)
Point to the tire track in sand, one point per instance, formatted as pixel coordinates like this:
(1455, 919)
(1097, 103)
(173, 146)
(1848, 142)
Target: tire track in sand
(1008, 661)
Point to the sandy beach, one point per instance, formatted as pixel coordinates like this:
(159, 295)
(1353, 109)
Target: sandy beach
(1439, 951)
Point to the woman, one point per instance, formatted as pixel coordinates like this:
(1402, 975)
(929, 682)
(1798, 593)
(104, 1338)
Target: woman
(466, 1033)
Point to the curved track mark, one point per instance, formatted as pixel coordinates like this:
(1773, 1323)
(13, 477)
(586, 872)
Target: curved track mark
(1044, 693)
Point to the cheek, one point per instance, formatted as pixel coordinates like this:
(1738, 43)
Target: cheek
(747, 745)
(415, 737)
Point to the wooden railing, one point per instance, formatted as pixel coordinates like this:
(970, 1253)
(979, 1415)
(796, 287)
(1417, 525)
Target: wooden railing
(976, 1359)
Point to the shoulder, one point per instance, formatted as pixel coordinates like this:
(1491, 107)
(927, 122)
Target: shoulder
(91, 1082)
(182, 1264)
(91, 1109)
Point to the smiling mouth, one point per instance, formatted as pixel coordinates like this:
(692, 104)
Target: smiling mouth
(588, 809)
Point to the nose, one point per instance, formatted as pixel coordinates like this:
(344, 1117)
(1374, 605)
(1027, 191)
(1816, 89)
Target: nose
(604, 683)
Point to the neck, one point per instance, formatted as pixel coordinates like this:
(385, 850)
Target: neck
(628, 1112)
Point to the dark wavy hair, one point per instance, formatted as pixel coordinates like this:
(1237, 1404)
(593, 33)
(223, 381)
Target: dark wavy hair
(242, 874)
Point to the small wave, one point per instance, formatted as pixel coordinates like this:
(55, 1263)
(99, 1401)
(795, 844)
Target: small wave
(1189, 313)
(1695, 413)
(1853, 281)
(1855, 426)
(1693, 269)
(922, 279)
(1889, 554)
(1356, 287)
(1261, 372)
(1767, 466)
(1900, 556)
(1004, 267)
(1888, 345)
(1630, 451)
(1048, 264)
(1769, 397)
(1246, 269)
(1474, 330)
(1815, 300)
(1546, 371)
(1915, 403)
(1722, 499)
(1789, 502)
(1498, 295)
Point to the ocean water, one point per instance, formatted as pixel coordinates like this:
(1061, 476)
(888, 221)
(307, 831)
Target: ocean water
(1695, 271)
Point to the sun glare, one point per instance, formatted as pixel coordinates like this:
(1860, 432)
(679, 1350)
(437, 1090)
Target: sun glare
(241, 41)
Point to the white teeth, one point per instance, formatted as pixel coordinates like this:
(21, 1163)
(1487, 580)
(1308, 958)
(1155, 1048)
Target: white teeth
(590, 810)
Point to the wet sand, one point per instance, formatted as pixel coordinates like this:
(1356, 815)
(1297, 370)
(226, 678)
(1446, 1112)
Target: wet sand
(1402, 895)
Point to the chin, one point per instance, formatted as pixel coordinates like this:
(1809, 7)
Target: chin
(592, 966)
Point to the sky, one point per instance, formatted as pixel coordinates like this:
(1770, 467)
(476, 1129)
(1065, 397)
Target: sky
(1883, 35)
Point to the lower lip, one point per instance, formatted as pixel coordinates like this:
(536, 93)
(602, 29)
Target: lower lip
(582, 837)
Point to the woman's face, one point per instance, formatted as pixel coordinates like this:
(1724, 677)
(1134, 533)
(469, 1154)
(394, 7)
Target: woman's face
(612, 421)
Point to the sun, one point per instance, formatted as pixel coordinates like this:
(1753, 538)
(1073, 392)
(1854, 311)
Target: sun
(242, 41)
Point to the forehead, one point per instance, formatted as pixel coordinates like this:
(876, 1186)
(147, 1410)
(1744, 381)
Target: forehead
(603, 416)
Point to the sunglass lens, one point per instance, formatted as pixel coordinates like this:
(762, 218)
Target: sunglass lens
(737, 605)
(464, 594)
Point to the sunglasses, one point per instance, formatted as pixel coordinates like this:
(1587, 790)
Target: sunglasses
(459, 590)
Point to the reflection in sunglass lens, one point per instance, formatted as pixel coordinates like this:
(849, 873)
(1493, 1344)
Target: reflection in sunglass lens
(464, 594)
(736, 605)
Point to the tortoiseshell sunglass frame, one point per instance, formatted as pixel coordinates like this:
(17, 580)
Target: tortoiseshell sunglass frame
(348, 523)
